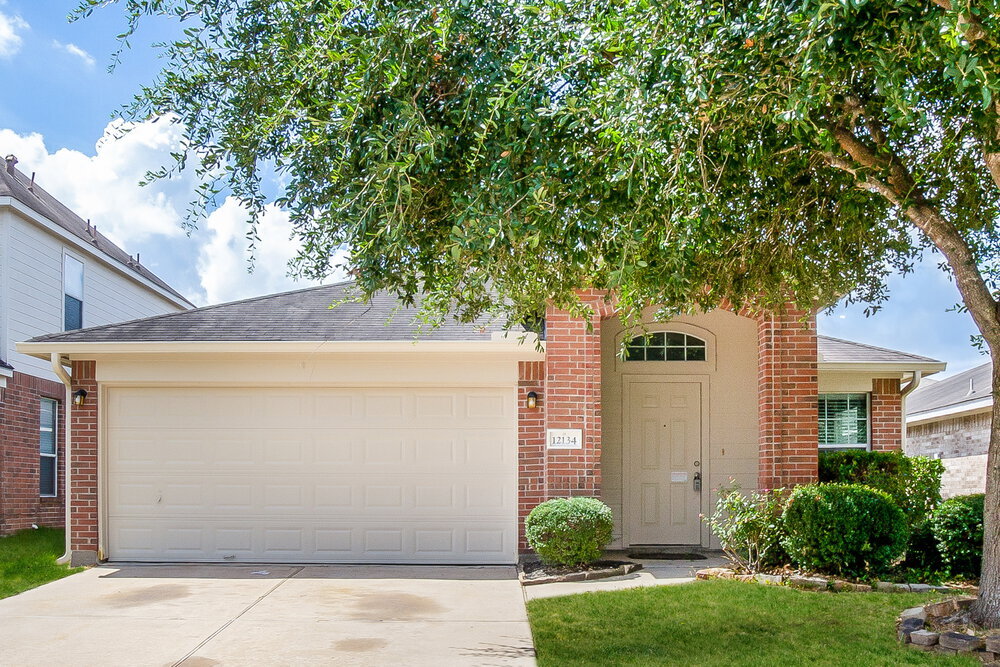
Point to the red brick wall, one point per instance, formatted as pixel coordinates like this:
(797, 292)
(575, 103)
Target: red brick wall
(530, 442)
(83, 472)
(886, 415)
(20, 504)
(787, 382)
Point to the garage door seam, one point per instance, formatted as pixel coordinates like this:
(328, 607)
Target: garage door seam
(234, 618)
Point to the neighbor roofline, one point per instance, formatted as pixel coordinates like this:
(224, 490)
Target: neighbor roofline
(79, 244)
(524, 347)
(950, 411)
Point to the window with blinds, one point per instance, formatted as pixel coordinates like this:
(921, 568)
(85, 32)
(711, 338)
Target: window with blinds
(843, 421)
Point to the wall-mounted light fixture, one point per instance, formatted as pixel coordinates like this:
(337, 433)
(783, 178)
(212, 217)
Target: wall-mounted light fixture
(532, 400)
(79, 397)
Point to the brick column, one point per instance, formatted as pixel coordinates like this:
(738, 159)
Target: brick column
(573, 397)
(83, 467)
(886, 415)
(787, 383)
(530, 443)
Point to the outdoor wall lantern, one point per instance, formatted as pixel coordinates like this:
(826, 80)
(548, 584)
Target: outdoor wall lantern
(532, 400)
(79, 397)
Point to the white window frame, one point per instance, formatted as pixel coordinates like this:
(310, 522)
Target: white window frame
(702, 345)
(55, 448)
(83, 282)
(868, 421)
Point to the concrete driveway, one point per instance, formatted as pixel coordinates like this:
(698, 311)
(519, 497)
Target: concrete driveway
(199, 615)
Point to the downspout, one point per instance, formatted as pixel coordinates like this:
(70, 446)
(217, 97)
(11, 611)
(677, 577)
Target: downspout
(904, 392)
(61, 373)
(914, 383)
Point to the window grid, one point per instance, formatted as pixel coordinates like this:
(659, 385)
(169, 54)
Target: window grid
(666, 346)
(843, 421)
(47, 439)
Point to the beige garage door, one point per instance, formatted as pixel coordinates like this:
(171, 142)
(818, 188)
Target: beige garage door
(311, 475)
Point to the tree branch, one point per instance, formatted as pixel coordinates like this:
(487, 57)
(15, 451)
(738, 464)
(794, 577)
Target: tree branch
(901, 190)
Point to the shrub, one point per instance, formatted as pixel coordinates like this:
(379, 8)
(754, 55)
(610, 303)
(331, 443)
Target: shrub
(846, 529)
(913, 482)
(569, 531)
(958, 528)
(749, 527)
(922, 551)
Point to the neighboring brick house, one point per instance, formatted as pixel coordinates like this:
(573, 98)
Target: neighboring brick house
(57, 272)
(281, 429)
(950, 420)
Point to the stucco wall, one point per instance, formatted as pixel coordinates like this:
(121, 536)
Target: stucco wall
(729, 377)
(961, 442)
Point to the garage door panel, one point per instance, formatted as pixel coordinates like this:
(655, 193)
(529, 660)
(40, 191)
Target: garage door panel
(429, 451)
(343, 541)
(261, 495)
(337, 474)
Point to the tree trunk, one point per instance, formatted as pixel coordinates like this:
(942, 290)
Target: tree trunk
(986, 611)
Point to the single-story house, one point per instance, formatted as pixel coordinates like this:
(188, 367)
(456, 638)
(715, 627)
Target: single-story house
(280, 429)
(951, 420)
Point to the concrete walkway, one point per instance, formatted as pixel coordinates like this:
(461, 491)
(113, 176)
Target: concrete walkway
(653, 573)
(199, 615)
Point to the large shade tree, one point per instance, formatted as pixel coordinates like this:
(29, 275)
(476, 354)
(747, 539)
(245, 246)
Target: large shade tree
(677, 153)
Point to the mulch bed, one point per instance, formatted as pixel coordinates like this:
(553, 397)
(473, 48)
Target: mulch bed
(534, 572)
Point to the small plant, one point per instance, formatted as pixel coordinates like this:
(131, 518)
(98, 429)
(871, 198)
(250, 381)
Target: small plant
(957, 524)
(845, 529)
(749, 527)
(569, 531)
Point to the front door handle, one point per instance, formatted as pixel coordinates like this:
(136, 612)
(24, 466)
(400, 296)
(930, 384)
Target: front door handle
(697, 481)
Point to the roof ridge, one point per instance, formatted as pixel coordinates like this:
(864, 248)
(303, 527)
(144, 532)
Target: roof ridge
(875, 347)
(200, 309)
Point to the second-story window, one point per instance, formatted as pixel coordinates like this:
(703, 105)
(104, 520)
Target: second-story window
(72, 293)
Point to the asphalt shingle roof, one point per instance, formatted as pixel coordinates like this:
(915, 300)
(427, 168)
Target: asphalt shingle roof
(307, 315)
(968, 386)
(302, 315)
(18, 186)
(845, 351)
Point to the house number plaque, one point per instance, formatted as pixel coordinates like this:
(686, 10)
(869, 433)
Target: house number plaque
(565, 438)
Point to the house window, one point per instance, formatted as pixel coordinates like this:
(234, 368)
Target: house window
(843, 421)
(72, 293)
(665, 346)
(47, 447)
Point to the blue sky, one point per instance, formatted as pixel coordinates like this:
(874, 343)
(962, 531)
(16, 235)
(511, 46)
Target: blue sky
(59, 100)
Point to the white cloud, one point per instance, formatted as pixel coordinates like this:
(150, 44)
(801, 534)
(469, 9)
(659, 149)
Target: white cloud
(208, 266)
(76, 51)
(223, 261)
(104, 186)
(10, 39)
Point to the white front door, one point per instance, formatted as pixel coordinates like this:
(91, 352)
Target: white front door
(353, 474)
(663, 446)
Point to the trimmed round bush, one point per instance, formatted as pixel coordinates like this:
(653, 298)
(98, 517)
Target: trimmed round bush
(957, 524)
(845, 529)
(569, 531)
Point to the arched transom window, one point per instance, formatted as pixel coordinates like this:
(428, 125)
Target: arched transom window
(665, 346)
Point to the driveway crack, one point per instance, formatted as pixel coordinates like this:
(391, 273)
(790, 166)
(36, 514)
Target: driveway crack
(236, 617)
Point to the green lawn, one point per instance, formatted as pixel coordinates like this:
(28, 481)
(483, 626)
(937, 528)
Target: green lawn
(28, 559)
(725, 623)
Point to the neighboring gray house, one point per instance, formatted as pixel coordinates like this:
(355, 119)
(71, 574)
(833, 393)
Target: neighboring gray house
(950, 420)
(57, 273)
